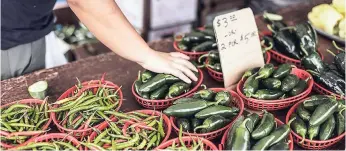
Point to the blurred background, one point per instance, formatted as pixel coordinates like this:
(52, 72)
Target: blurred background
(154, 20)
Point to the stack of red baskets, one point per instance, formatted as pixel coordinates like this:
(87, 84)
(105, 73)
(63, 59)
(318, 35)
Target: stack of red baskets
(237, 102)
(271, 105)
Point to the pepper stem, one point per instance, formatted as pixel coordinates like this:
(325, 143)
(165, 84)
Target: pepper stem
(332, 53)
(139, 75)
(204, 86)
(288, 28)
(200, 127)
(203, 56)
(302, 139)
(210, 66)
(337, 47)
(307, 79)
(340, 112)
(180, 137)
(271, 29)
(304, 50)
(290, 121)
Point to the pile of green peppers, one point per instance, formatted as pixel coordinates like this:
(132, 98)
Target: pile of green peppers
(153, 86)
(74, 35)
(319, 117)
(206, 111)
(131, 131)
(199, 40)
(268, 83)
(256, 133)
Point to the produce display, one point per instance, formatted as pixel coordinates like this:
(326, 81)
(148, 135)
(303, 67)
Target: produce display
(330, 18)
(133, 130)
(319, 117)
(268, 83)
(257, 133)
(297, 42)
(199, 40)
(205, 112)
(22, 120)
(88, 107)
(74, 35)
(153, 86)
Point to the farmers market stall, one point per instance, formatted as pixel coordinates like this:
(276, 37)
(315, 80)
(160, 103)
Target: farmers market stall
(123, 72)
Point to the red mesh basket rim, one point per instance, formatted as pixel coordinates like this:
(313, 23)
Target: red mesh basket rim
(279, 123)
(46, 137)
(27, 101)
(168, 143)
(290, 112)
(287, 100)
(199, 83)
(148, 112)
(327, 92)
(85, 87)
(241, 109)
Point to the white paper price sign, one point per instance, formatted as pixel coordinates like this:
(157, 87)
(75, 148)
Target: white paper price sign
(238, 44)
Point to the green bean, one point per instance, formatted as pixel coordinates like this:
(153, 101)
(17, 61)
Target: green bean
(129, 143)
(41, 122)
(142, 144)
(151, 142)
(100, 136)
(20, 125)
(12, 107)
(6, 125)
(37, 144)
(13, 113)
(92, 145)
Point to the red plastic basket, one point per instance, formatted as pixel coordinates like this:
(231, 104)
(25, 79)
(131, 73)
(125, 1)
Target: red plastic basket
(167, 125)
(237, 102)
(208, 145)
(28, 102)
(281, 58)
(192, 55)
(218, 76)
(55, 137)
(90, 85)
(311, 144)
(272, 105)
(321, 90)
(279, 123)
(162, 104)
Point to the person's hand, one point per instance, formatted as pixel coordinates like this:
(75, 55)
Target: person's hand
(174, 63)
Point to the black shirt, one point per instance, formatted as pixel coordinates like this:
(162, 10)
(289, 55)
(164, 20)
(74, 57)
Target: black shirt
(25, 21)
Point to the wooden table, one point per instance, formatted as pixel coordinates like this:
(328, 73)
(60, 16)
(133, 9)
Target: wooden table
(123, 72)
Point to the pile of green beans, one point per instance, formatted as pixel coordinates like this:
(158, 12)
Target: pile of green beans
(21, 121)
(319, 117)
(181, 146)
(86, 110)
(42, 146)
(134, 130)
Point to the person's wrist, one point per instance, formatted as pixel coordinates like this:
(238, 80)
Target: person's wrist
(148, 55)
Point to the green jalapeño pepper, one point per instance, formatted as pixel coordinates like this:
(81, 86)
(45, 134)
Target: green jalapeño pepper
(153, 83)
(147, 75)
(289, 82)
(265, 127)
(323, 112)
(159, 93)
(299, 88)
(206, 94)
(271, 83)
(265, 71)
(330, 81)
(298, 126)
(212, 123)
(186, 109)
(231, 132)
(221, 110)
(241, 138)
(223, 98)
(284, 42)
(339, 61)
(250, 86)
(282, 71)
(327, 128)
(306, 41)
(267, 94)
(184, 123)
(205, 46)
(177, 89)
(250, 72)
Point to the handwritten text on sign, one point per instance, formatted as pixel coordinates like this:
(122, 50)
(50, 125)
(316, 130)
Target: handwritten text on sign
(238, 43)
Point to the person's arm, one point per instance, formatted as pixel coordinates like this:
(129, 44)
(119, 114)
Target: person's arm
(106, 21)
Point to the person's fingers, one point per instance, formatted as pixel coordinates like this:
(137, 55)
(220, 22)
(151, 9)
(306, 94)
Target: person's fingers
(179, 55)
(185, 63)
(180, 75)
(186, 71)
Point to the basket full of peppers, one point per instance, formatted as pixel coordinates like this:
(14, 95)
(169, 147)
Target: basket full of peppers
(257, 132)
(213, 65)
(159, 90)
(330, 78)
(206, 113)
(82, 108)
(196, 43)
(317, 122)
(292, 44)
(23, 120)
(270, 88)
(136, 130)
